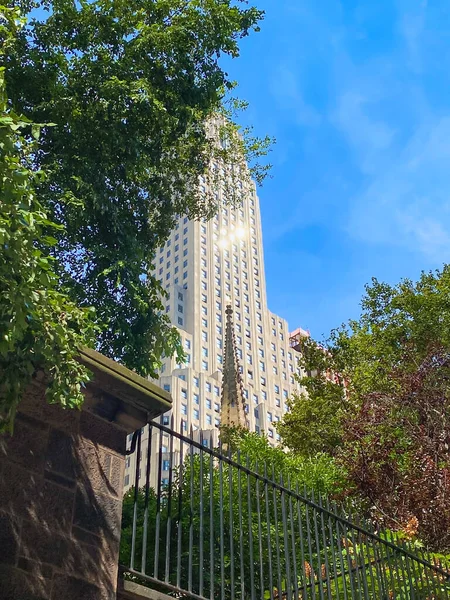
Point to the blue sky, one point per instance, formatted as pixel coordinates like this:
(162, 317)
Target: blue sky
(357, 94)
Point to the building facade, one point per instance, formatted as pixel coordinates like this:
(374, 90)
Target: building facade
(204, 267)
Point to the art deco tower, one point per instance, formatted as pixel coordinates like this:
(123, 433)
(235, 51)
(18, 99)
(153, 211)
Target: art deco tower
(206, 266)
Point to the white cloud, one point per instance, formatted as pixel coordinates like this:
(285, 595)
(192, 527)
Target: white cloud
(285, 87)
(368, 136)
(408, 202)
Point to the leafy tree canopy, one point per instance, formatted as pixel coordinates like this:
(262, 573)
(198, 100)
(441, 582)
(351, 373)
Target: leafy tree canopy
(388, 425)
(132, 98)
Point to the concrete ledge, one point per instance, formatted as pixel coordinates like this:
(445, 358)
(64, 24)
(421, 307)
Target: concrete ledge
(129, 590)
(124, 397)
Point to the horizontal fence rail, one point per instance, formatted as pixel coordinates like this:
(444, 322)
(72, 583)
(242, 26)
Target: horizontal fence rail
(203, 522)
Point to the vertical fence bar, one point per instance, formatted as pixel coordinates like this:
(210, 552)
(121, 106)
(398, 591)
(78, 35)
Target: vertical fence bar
(191, 515)
(294, 552)
(147, 497)
(169, 507)
(310, 552)
(136, 497)
(277, 535)
(333, 555)
(347, 553)
(250, 534)
(231, 528)
(180, 511)
(325, 546)
(319, 558)
(241, 529)
(269, 536)
(260, 535)
(286, 542)
(158, 505)
(302, 547)
(211, 518)
(221, 525)
(201, 523)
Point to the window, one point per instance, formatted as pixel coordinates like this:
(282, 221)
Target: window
(249, 359)
(184, 393)
(285, 393)
(259, 328)
(270, 433)
(185, 244)
(204, 336)
(196, 414)
(185, 275)
(261, 351)
(218, 318)
(247, 321)
(127, 480)
(275, 370)
(166, 420)
(218, 330)
(204, 323)
(180, 321)
(269, 417)
(255, 398)
(277, 389)
(208, 421)
(278, 402)
(217, 422)
(219, 343)
(262, 366)
(217, 407)
(256, 413)
(260, 341)
(263, 381)
(218, 305)
(204, 351)
(204, 365)
(204, 310)
(250, 374)
(208, 387)
(166, 387)
(166, 465)
(185, 230)
(216, 390)
(195, 380)
(180, 308)
(184, 409)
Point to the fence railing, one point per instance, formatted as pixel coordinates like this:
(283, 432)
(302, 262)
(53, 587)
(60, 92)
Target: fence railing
(208, 523)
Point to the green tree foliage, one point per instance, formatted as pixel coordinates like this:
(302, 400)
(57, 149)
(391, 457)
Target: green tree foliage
(39, 325)
(391, 417)
(142, 132)
(313, 423)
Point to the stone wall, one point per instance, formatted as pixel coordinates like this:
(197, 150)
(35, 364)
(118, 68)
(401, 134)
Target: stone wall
(61, 479)
(61, 486)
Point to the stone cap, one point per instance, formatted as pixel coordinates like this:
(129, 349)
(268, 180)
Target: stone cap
(122, 396)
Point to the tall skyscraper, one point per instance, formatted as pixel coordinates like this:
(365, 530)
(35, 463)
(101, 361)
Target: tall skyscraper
(206, 266)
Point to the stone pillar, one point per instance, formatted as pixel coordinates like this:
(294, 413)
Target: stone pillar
(61, 485)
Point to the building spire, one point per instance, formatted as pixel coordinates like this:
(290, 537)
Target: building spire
(233, 406)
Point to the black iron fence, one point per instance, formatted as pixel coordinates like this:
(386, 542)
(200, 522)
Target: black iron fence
(206, 523)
